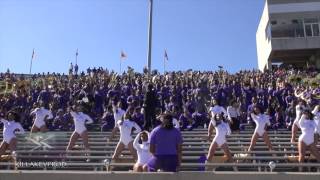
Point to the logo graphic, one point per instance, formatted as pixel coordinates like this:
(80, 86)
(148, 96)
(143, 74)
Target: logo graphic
(40, 141)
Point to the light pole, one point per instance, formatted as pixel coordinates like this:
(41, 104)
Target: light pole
(150, 36)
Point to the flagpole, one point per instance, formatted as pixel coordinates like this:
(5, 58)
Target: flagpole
(30, 66)
(77, 57)
(31, 61)
(164, 65)
(150, 36)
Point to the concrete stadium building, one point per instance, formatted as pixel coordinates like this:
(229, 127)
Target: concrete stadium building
(289, 34)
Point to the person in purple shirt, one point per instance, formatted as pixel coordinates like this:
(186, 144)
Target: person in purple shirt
(279, 118)
(108, 122)
(44, 96)
(185, 119)
(61, 122)
(138, 117)
(190, 104)
(248, 94)
(165, 146)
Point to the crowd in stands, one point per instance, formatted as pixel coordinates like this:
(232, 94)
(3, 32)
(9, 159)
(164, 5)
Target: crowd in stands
(163, 104)
(189, 96)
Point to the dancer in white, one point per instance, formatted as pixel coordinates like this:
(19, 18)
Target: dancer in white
(295, 126)
(118, 114)
(262, 121)
(306, 139)
(222, 131)
(316, 113)
(126, 141)
(217, 109)
(41, 115)
(80, 119)
(142, 145)
(10, 129)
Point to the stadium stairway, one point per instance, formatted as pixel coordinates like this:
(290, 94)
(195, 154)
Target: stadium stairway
(46, 151)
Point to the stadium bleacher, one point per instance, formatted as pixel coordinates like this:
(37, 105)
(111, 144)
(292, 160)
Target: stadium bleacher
(53, 144)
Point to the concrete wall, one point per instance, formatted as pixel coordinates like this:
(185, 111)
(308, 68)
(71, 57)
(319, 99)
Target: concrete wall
(263, 43)
(52, 175)
(294, 7)
(291, 16)
(290, 1)
(295, 43)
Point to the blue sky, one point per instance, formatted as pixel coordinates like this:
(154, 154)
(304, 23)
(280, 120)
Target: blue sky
(198, 34)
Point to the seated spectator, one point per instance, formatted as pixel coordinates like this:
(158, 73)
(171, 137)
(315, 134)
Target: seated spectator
(165, 146)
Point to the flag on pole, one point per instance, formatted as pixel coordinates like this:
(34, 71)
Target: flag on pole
(32, 58)
(166, 55)
(77, 53)
(123, 55)
(33, 54)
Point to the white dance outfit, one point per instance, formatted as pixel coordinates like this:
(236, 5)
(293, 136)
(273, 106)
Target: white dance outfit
(143, 151)
(125, 128)
(118, 114)
(40, 114)
(218, 110)
(308, 128)
(299, 110)
(80, 119)
(9, 130)
(222, 131)
(316, 114)
(261, 120)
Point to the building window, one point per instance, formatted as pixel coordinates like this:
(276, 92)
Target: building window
(312, 27)
(297, 25)
(308, 30)
(315, 29)
(295, 28)
(287, 28)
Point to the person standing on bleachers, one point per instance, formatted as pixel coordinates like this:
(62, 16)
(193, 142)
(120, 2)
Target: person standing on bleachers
(107, 120)
(76, 68)
(261, 121)
(41, 116)
(233, 113)
(217, 109)
(126, 126)
(138, 117)
(290, 115)
(11, 127)
(300, 107)
(306, 140)
(118, 114)
(44, 96)
(220, 141)
(316, 113)
(150, 104)
(250, 110)
(165, 146)
(70, 68)
(80, 120)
